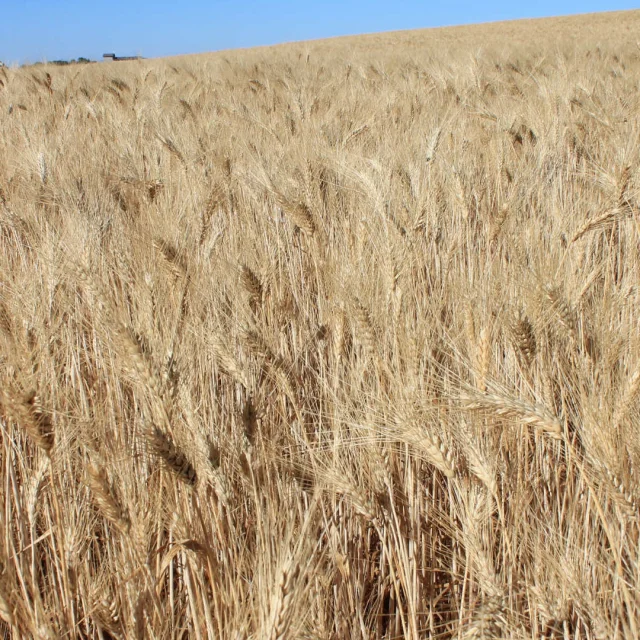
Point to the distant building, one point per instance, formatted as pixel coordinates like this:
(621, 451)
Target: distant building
(112, 57)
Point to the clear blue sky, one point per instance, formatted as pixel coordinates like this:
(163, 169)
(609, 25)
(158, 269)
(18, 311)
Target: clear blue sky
(36, 30)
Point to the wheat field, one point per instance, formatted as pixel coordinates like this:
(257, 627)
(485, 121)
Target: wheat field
(334, 339)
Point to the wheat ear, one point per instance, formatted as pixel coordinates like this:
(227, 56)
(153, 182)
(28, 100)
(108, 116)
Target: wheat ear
(162, 446)
(299, 213)
(623, 408)
(105, 498)
(535, 415)
(524, 338)
(31, 416)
